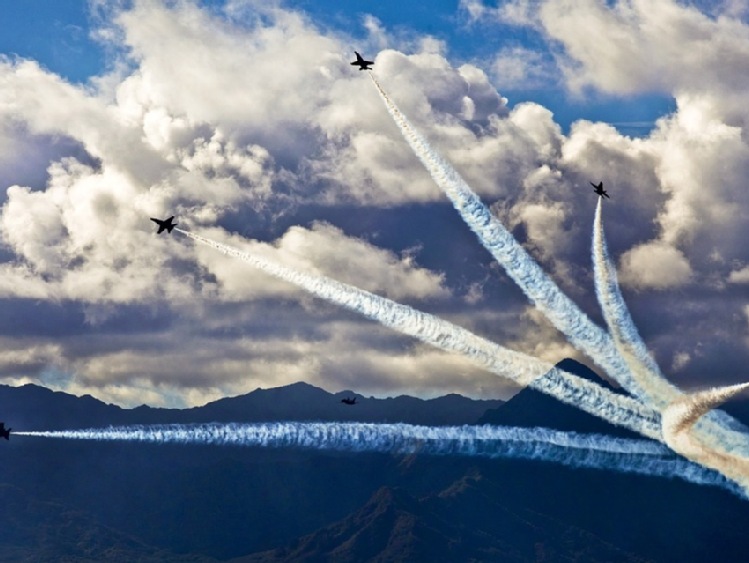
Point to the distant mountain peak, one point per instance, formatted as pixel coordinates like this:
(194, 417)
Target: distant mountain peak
(33, 407)
(531, 408)
(581, 370)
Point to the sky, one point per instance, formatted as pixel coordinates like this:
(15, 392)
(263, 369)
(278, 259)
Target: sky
(245, 121)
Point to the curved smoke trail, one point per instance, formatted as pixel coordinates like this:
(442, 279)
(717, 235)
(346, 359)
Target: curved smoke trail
(678, 424)
(627, 340)
(717, 427)
(525, 370)
(519, 265)
(568, 448)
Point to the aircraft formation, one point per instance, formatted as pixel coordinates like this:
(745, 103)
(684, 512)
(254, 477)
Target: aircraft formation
(168, 224)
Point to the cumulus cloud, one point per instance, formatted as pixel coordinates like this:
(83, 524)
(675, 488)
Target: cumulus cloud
(324, 250)
(630, 46)
(268, 119)
(739, 276)
(656, 266)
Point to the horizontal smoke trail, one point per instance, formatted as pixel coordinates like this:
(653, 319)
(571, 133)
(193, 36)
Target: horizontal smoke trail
(525, 370)
(715, 428)
(538, 287)
(568, 448)
(679, 419)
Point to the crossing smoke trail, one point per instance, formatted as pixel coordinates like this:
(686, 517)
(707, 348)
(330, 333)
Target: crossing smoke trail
(538, 287)
(568, 448)
(630, 364)
(679, 420)
(525, 370)
(715, 428)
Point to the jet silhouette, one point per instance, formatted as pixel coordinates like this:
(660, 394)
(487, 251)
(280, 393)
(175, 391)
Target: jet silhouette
(599, 189)
(349, 401)
(361, 63)
(164, 224)
(4, 432)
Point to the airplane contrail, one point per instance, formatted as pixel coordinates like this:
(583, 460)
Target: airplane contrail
(626, 338)
(678, 425)
(716, 427)
(524, 370)
(519, 265)
(568, 448)
(643, 379)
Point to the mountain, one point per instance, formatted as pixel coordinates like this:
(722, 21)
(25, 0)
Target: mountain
(31, 407)
(460, 523)
(84, 501)
(530, 408)
(46, 531)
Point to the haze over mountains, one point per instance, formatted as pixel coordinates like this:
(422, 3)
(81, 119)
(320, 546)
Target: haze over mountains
(114, 501)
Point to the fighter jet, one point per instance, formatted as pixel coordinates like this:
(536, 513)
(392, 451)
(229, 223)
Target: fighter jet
(599, 189)
(164, 224)
(349, 401)
(4, 432)
(361, 63)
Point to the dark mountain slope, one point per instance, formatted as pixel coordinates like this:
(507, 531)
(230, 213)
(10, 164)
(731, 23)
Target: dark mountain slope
(530, 408)
(461, 523)
(34, 530)
(36, 408)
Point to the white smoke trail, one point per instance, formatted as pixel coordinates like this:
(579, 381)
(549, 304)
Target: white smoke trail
(568, 448)
(629, 363)
(678, 424)
(538, 287)
(627, 340)
(717, 427)
(525, 370)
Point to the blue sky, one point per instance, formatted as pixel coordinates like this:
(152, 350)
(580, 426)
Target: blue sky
(248, 124)
(60, 36)
(57, 34)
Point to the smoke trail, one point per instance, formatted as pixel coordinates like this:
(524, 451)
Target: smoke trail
(537, 286)
(525, 370)
(629, 363)
(716, 426)
(643, 368)
(678, 421)
(568, 448)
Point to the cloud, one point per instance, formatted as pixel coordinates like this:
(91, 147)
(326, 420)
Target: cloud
(267, 129)
(739, 276)
(639, 46)
(654, 266)
(520, 68)
(324, 250)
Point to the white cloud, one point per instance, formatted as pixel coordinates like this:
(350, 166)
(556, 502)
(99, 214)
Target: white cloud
(520, 68)
(680, 361)
(268, 117)
(654, 266)
(739, 276)
(323, 250)
(636, 45)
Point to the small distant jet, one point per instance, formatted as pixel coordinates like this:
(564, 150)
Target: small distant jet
(164, 224)
(349, 401)
(4, 432)
(599, 189)
(361, 63)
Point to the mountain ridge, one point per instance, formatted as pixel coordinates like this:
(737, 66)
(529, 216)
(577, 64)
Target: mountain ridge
(33, 407)
(183, 501)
